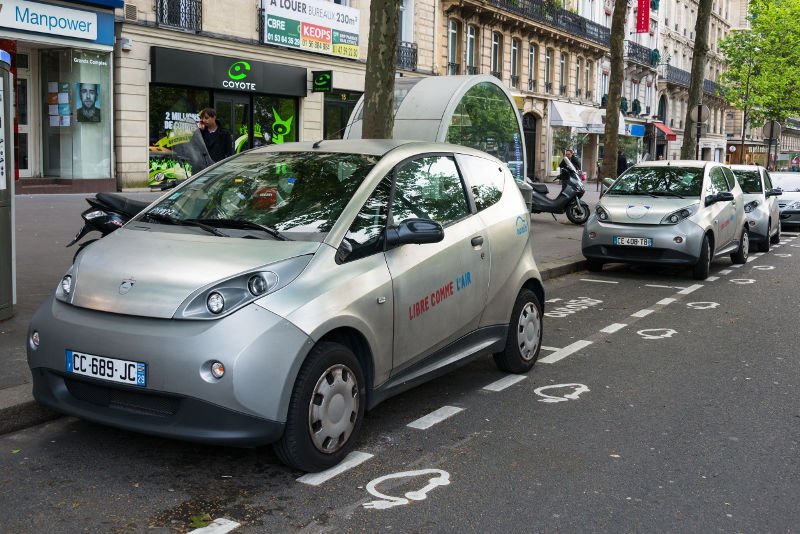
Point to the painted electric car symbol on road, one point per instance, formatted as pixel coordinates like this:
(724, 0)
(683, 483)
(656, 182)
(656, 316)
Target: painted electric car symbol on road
(657, 333)
(441, 478)
(578, 390)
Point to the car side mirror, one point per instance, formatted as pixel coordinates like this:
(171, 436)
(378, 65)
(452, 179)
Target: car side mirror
(774, 192)
(415, 232)
(723, 196)
(344, 251)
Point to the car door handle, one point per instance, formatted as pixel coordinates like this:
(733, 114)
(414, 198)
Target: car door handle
(477, 241)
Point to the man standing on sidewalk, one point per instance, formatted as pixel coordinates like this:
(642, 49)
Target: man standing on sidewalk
(217, 139)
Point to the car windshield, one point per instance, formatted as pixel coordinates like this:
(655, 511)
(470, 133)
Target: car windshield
(288, 195)
(788, 181)
(660, 181)
(749, 180)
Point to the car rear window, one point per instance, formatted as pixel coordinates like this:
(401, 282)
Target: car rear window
(660, 181)
(749, 180)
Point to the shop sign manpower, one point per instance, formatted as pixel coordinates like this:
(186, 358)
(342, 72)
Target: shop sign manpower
(48, 18)
(312, 25)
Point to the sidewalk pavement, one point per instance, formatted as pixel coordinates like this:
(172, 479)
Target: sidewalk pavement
(46, 223)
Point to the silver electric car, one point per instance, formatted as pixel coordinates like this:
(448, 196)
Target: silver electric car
(760, 205)
(280, 293)
(789, 204)
(671, 213)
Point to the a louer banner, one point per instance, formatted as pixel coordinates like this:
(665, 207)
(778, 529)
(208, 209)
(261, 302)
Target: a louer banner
(312, 25)
(643, 16)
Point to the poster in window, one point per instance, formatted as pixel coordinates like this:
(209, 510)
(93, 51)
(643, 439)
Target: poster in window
(88, 102)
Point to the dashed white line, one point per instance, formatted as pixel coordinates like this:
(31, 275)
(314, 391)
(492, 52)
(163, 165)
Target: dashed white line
(664, 287)
(437, 416)
(566, 351)
(351, 460)
(504, 382)
(642, 313)
(218, 526)
(664, 302)
(551, 349)
(616, 327)
(757, 254)
(737, 266)
(712, 278)
(598, 281)
(690, 289)
(751, 258)
(725, 271)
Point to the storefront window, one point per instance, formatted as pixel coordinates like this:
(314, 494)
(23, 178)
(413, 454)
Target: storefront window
(485, 119)
(338, 107)
(274, 120)
(76, 113)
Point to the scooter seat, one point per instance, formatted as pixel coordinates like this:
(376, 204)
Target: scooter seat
(122, 204)
(541, 188)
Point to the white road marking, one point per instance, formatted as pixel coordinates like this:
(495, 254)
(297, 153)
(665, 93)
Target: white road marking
(578, 390)
(664, 287)
(736, 266)
(690, 289)
(350, 461)
(702, 305)
(616, 327)
(598, 281)
(504, 382)
(763, 268)
(437, 416)
(712, 278)
(552, 300)
(218, 526)
(566, 351)
(752, 258)
(742, 281)
(666, 332)
(783, 255)
(441, 478)
(725, 271)
(642, 313)
(776, 246)
(757, 254)
(664, 302)
(551, 349)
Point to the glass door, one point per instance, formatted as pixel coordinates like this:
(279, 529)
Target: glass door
(233, 114)
(23, 153)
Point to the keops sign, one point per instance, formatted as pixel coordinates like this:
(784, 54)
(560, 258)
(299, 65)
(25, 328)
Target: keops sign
(312, 25)
(50, 19)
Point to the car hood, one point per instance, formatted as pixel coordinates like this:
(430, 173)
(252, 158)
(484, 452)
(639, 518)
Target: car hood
(150, 273)
(642, 209)
(788, 197)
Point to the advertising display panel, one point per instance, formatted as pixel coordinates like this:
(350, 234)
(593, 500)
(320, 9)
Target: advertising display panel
(312, 25)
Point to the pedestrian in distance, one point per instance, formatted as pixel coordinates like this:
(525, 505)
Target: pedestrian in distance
(622, 163)
(570, 155)
(218, 140)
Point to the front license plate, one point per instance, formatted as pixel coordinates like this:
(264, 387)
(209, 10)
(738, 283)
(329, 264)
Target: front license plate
(122, 371)
(634, 241)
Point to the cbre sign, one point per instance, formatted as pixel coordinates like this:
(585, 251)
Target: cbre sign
(48, 19)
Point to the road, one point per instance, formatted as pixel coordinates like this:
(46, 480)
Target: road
(658, 404)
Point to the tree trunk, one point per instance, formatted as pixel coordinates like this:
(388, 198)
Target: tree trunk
(384, 25)
(611, 137)
(689, 146)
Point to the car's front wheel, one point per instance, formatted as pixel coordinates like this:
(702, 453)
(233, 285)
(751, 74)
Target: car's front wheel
(763, 246)
(777, 237)
(578, 212)
(325, 411)
(740, 256)
(703, 265)
(524, 335)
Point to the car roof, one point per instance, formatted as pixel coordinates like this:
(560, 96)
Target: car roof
(375, 147)
(677, 163)
(753, 167)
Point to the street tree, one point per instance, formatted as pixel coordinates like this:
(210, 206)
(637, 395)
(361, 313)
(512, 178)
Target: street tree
(617, 72)
(699, 55)
(384, 25)
(742, 66)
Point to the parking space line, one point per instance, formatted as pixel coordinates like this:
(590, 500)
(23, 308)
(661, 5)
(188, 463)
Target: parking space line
(218, 526)
(437, 416)
(664, 302)
(690, 289)
(642, 313)
(752, 258)
(551, 349)
(504, 382)
(616, 327)
(725, 271)
(712, 278)
(350, 461)
(566, 351)
(598, 281)
(737, 266)
(664, 287)
(757, 254)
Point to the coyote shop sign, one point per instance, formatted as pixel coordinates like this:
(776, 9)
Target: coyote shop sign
(312, 25)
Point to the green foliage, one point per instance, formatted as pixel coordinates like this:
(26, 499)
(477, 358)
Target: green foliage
(563, 138)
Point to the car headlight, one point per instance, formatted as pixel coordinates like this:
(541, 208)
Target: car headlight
(678, 215)
(226, 296)
(601, 213)
(66, 287)
(750, 206)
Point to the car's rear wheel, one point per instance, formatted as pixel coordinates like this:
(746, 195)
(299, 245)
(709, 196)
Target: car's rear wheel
(594, 265)
(777, 237)
(703, 265)
(524, 335)
(325, 411)
(763, 246)
(740, 256)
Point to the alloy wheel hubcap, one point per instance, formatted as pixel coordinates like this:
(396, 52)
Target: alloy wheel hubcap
(528, 330)
(333, 409)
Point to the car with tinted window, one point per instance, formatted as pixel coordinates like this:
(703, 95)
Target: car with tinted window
(789, 203)
(760, 205)
(275, 296)
(682, 213)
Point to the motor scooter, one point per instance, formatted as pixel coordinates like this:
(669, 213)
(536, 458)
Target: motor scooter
(568, 200)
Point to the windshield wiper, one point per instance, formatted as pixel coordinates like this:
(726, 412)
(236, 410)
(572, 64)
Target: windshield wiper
(160, 217)
(668, 194)
(241, 224)
(644, 193)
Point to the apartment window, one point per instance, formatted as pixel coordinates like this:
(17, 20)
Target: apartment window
(578, 72)
(604, 83)
(548, 70)
(634, 91)
(648, 96)
(533, 66)
(185, 14)
(515, 62)
(588, 84)
(406, 30)
(472, 34)
(497, 55)
(562, 74)
(453, 38)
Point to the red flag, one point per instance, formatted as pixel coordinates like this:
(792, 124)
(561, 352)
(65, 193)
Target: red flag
(643, 17)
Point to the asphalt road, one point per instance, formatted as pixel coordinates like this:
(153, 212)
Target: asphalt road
(659, 404)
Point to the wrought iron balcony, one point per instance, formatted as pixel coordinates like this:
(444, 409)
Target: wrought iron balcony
(407, 55)
(183, 14)
(548, 14)
(532, 85)
(548, 87)
(498, 75)
(638, 54)
(514, 81)
(588, 95)
(453, 69)
(563, 90)
(712, 88)
(472, 69)
(675, 75)
(578, 93)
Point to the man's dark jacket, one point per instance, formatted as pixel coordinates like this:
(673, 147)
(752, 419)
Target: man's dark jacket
(622, 164)
(219, 143)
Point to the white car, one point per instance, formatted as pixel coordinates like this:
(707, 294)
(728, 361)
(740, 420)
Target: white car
(789, 204)
(760, 205)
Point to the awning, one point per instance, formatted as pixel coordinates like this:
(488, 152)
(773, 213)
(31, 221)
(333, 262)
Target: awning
(585, 118)
(669, 133)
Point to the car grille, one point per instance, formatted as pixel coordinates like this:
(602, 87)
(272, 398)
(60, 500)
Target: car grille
(133, 401)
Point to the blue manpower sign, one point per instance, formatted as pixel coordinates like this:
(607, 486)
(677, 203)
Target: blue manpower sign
(58, 21)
